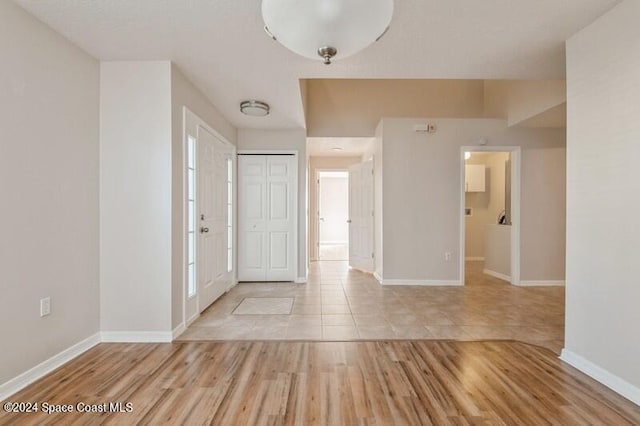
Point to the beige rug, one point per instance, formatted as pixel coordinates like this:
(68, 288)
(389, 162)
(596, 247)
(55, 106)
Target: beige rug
(264, 306)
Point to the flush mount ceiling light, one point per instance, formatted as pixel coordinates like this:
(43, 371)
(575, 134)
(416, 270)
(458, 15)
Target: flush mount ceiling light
(331, 29)
(336, 148)
(254, 108)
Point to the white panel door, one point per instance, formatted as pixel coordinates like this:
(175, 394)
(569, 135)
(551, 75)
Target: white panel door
(252, 218)
(361, 216)
(267, 221)
(213, 278)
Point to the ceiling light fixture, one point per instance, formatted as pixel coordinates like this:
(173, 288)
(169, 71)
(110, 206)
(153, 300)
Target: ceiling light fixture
(467, 155)
(331, 29)
(255, 108)
(337, 148)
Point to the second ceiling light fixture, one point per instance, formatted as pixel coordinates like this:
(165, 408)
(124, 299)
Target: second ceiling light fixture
(331, 29)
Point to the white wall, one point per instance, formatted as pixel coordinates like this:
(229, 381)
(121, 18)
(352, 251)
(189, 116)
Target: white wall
(254, 139)
(421, 186)
(184, 93)
(48, 191)
(334, 209)
(135, 196)
(603, 183)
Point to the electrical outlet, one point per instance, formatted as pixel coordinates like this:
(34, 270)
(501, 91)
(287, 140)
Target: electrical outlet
(432, 128)
(447, 256)
(45, 306)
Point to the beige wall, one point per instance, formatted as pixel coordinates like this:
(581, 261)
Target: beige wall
(603, 182)
(421, 185)
(486, 205)
(315, 164)
(49, 191)
(135, 196)
(184, 93)
(285, 140)
(352, 108)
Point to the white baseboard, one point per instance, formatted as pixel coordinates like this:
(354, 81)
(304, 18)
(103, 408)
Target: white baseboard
(192, 319)
(541, 283)
(378, 277)
(17, 383)
(474, 259)
(426, 283)
(300, 280)
(497, 275)
(610, 380)
(178, 331)
(136, 336)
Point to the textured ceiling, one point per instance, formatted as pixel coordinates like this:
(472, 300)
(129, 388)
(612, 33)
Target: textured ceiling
(221, 46)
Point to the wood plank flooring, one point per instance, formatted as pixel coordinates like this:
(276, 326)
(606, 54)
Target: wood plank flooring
(329, 383)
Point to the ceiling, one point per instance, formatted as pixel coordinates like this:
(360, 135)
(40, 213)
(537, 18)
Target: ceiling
(348, 147)
(220, 44)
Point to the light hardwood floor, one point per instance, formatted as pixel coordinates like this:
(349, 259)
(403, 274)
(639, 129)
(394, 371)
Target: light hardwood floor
(338, 304)
(330, 383)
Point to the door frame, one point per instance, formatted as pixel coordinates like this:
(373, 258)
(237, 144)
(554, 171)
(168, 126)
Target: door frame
(516, 166)
(317, 212)
(297, 279)
(191, 121)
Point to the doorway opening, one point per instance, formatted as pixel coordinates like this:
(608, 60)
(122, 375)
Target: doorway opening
(490, 216)
(333, 215)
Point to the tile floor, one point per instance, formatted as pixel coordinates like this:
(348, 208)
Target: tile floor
(342, 304)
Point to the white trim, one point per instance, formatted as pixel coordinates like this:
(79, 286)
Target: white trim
(190, 321)
(516, 170)
(178, 331)
(268, 152)
(429, 283)
(334, 242)
(19, 382)
(301, 280)
(473, 259)
(378, 277)
(541, 283)
(610, 380)
(498, 275)
(137, 336)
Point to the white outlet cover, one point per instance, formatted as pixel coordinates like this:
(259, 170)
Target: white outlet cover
(45, 306)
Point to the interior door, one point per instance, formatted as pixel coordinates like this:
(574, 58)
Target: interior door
(282, 191)
(252, 218)
(212, 282)
(361, 255)
(267, 217)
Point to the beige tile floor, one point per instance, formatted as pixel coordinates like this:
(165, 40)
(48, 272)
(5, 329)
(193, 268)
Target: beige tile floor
(342, 304)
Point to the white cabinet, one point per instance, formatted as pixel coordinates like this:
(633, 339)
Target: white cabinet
(474, 178)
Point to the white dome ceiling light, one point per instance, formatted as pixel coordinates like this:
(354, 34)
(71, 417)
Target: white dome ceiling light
(255, 108)
(331, 29)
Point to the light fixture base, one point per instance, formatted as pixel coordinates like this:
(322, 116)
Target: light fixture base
(327, 52)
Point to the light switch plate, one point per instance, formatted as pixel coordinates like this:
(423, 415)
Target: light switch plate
(45, 306)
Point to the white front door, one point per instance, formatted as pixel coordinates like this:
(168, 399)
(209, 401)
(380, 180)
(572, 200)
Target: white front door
(214, 278)
(361, 216)
(267, 188)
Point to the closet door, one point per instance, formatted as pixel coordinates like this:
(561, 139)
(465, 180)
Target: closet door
(267, 217)
(281, 214)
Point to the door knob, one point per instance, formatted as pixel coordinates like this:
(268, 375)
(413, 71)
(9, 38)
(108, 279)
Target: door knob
(204, 230)
(322, 219)
(349, 221)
